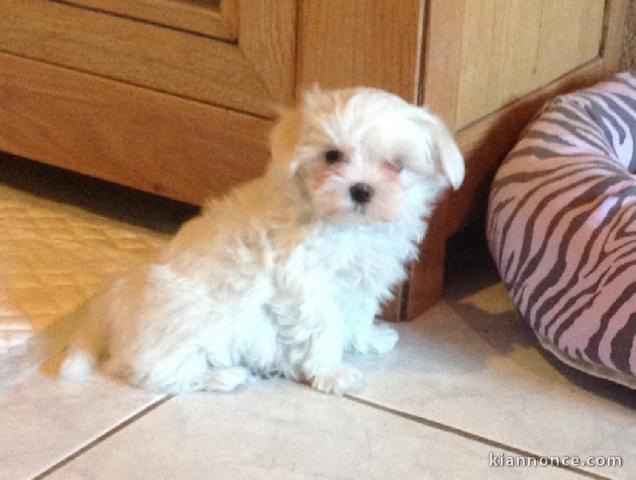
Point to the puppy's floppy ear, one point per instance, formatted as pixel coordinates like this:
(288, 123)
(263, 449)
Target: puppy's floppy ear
(450, 157)
(283, 139)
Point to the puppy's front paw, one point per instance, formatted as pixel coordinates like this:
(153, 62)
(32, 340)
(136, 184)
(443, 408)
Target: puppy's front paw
(338, 381)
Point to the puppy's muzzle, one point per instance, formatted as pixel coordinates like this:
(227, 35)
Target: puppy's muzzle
(361, 193)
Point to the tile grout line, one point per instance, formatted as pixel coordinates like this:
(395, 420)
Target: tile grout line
(109, 433)
(470, 436)
(407, 416)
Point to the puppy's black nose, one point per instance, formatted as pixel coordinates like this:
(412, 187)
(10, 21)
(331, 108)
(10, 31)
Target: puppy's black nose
(361, 192)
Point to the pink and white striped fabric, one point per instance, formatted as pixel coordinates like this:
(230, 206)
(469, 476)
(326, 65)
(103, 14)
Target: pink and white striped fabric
(562, 227)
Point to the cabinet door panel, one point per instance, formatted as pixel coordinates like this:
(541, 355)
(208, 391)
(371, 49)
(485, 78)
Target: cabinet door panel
(247, 75)
(509, 48)
(490, 64)
(215, 18)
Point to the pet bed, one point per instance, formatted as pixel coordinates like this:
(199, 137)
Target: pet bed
(562, 228)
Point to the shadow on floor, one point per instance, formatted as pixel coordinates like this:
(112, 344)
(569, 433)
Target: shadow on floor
(94, 195)
(470, 269)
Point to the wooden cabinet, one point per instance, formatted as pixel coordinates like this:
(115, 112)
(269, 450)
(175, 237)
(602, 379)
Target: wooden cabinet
(175, 96)
(157, 45)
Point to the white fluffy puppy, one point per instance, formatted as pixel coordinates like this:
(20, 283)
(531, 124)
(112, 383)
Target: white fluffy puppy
(288, 271)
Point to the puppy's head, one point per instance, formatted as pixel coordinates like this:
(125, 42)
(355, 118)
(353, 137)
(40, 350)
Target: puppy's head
(364, 156)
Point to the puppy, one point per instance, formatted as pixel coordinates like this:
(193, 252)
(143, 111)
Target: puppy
(287, 272)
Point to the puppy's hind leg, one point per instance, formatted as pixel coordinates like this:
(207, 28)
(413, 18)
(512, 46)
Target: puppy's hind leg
(164, 368)
(224, 379)
(176, 369)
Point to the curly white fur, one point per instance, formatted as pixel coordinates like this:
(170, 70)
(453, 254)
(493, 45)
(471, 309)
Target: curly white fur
(286, 272)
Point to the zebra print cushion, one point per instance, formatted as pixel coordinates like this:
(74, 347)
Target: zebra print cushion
(562, 227)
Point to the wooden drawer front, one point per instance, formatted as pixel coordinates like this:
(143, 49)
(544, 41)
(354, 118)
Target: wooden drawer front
(107, 129)
(245, 75)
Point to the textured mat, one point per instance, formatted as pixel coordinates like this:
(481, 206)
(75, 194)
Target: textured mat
(53, 256)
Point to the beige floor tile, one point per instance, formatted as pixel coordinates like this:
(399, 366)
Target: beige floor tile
(43, 420)
(279, 430)
(472, 364)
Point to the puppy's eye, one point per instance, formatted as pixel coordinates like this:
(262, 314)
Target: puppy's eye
(397, 164)
(333, 156)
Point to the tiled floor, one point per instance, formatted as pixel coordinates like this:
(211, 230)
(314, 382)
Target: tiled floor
(466, 385)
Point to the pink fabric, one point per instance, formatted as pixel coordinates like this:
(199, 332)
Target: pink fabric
(562, 225)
